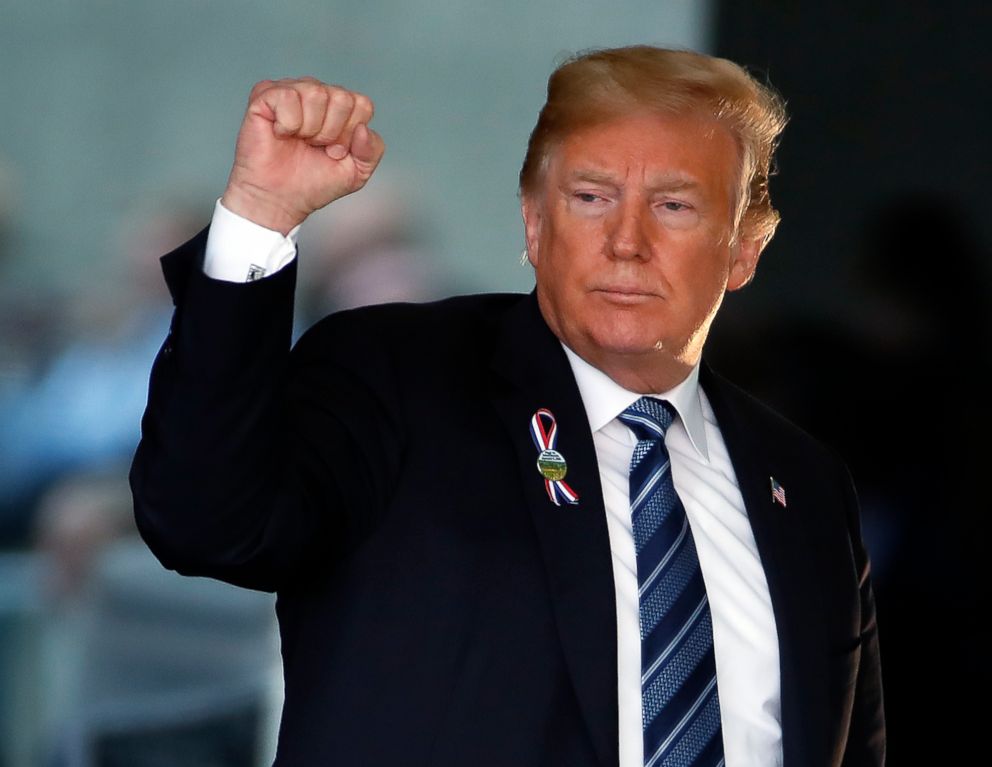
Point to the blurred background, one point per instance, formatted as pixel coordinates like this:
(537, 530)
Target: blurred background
(868, 323)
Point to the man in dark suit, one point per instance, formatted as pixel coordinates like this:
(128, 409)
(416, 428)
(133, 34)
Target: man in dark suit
(458, 503)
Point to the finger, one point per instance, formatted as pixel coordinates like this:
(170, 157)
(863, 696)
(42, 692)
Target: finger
(361, 113)
(282, 106)
(257, 88)
(340, 104)
(367, 147)
(314, 98)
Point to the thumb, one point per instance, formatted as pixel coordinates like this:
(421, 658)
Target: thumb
(366, 148)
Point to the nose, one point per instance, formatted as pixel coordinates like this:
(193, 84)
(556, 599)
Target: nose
(628, 238)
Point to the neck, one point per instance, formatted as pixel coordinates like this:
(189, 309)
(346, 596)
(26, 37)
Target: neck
(644, 373)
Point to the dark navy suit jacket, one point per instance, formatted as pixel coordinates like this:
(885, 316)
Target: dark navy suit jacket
(435, 607)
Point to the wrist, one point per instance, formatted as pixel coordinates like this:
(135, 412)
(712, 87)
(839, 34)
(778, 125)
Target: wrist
(259, 208)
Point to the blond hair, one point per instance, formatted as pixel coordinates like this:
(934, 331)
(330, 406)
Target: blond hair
(600, 85)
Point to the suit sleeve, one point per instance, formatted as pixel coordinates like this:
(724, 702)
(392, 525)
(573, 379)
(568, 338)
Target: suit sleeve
(866, 735)
(256, 465)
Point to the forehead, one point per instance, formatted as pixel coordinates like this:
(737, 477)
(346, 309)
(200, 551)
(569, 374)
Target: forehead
(649, 149)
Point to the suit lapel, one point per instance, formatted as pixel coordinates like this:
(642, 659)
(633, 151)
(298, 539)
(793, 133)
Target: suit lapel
(781, 536)
(532, 373)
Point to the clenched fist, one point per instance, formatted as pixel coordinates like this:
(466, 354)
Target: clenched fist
(302, 144)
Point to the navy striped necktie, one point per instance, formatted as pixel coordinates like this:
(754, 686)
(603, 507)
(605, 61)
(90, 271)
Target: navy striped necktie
(681, 710)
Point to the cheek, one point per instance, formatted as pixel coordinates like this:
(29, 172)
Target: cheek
(706, 289)
(555, 257)
(574, 244)
(705, 260)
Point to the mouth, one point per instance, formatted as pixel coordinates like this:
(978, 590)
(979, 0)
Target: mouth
(625, 296)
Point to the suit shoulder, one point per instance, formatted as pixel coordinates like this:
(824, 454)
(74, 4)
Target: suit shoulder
(753, 416)
(456, 322)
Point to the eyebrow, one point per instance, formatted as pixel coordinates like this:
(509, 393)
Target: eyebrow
(593, 176)
(661, 183)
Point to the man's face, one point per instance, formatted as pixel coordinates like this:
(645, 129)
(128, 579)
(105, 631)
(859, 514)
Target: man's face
(631, 237)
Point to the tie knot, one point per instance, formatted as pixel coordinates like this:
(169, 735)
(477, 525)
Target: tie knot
(649, 418)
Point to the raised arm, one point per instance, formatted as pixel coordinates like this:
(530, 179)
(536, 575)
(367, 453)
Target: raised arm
(245, 464)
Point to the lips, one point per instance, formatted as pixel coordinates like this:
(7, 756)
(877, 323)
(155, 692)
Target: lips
(625, 294)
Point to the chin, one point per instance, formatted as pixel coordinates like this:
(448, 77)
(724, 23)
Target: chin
(629, 343)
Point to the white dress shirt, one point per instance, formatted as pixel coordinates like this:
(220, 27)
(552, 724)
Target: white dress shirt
(745, 642)
(239, 250)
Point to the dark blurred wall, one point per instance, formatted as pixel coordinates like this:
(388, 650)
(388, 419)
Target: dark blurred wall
(885, 98)
(868, 323)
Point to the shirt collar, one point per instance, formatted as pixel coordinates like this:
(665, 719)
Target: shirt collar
(605, 399)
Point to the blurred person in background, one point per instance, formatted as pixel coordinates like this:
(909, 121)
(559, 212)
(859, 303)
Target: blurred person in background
(27, 326)
(76, 411)
(111, 674)
(695, 592)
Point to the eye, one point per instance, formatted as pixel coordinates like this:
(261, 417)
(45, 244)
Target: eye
(587, 196)
(677, 214)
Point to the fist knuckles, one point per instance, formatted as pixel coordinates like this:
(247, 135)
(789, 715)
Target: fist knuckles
(308, 109)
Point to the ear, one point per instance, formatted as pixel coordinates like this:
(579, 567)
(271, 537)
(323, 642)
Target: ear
(744, 262)
(530, 209)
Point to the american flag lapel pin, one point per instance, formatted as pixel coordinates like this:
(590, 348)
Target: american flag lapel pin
(778, 492)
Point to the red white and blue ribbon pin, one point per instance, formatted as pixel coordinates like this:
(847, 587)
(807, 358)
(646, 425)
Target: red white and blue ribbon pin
(550, 463)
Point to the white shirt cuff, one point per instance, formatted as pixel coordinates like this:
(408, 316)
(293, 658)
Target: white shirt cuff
(239, 250)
